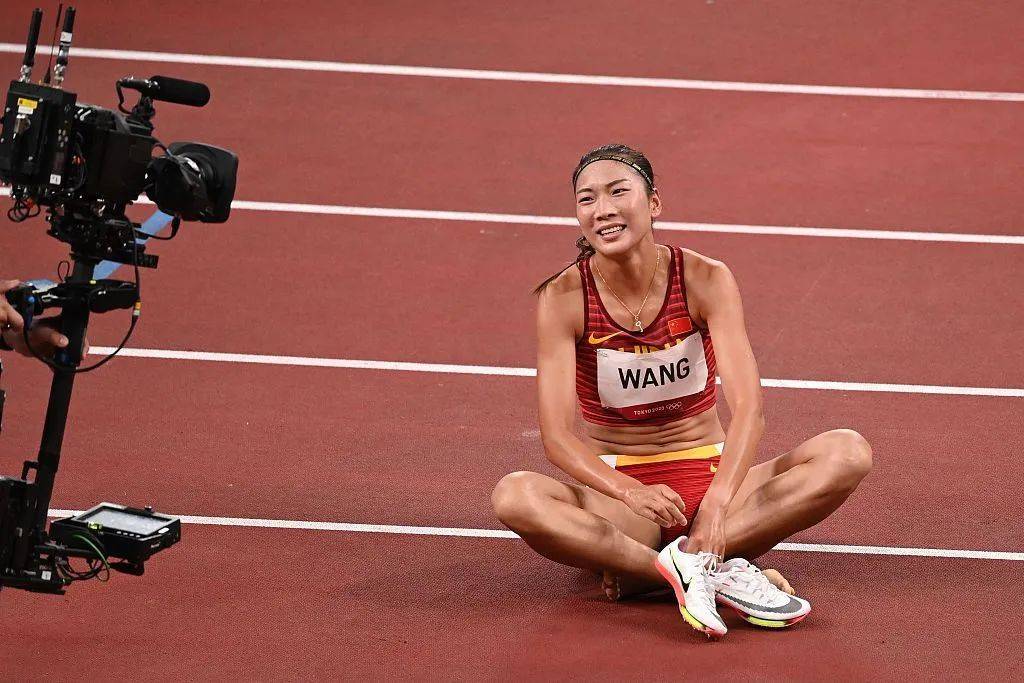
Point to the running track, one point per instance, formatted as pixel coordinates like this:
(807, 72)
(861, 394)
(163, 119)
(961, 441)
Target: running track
(423, 449)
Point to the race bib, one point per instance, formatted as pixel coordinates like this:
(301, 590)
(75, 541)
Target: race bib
(627, 379)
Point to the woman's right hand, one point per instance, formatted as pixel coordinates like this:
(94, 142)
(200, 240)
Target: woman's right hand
(658, 503)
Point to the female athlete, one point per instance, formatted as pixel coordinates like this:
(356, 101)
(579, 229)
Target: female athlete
(628, 329)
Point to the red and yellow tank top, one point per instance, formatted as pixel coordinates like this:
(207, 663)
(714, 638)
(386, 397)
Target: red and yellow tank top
(665, 373)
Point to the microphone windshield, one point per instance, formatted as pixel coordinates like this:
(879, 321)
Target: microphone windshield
(179, 91)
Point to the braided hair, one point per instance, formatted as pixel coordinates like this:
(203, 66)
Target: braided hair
(627, 155)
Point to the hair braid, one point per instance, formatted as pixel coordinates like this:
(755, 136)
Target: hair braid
(586, 250)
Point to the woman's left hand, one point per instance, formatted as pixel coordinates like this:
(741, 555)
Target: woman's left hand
(707, 532)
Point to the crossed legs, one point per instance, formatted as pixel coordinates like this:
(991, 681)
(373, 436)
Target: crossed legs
(580, 527)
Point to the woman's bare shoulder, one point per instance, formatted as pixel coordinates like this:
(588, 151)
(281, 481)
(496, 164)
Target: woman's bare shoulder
(700, 266)
(567, 282)
(703, 276)
(562, 300)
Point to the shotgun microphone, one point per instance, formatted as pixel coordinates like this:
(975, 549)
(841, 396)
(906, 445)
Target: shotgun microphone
(167, 89)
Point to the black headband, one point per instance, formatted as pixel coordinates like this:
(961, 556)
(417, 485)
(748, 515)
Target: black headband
(612, 157)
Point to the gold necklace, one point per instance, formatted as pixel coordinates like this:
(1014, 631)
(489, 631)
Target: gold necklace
(636, 316)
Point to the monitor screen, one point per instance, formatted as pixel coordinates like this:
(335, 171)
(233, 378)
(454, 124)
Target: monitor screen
(117, 519)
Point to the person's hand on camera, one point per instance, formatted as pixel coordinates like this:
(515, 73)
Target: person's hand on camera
(43, 335)
(11, 322)
(658, 503)
(10, 319)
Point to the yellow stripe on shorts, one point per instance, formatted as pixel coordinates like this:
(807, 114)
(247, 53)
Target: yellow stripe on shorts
(698, 453)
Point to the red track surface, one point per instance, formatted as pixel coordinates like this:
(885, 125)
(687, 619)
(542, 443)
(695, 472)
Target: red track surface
(424, 449)
(828, 161)
(333, 606)
(902, 317)
(948, 44)
(277, 426)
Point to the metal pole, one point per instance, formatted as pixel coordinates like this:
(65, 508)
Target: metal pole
(75, 319)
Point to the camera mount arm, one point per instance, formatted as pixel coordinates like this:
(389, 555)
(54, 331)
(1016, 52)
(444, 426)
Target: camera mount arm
(74, 321)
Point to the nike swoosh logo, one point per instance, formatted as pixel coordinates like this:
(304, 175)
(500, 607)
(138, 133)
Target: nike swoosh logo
(713, 468)
(686, 584)
(601, 340)
(791, 606)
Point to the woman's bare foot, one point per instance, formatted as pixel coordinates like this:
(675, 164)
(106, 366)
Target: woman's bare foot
(620, 587)
(778, 580)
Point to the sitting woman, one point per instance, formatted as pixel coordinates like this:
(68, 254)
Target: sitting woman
(628, 329)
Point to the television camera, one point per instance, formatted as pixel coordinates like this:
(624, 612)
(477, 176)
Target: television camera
(84, 165)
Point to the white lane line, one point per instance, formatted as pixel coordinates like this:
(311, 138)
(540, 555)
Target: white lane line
(452, 369)
(679, 226)
(529, 76)
(524, 219)
(356, 364)
(502, 533)
(905, 552)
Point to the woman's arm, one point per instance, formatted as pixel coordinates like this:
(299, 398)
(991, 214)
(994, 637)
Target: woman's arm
(719, 303)
(741, 384)
(556, 392)
(556, 389)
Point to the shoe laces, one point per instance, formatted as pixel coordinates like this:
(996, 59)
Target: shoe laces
(751, 578)
(707, 562)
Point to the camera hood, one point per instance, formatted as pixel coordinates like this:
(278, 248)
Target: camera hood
(194, 181)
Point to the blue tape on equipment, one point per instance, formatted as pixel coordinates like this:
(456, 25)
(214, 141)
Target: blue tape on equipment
(154, 224)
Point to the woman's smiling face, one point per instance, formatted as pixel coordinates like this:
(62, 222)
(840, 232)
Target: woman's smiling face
(613, 206)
